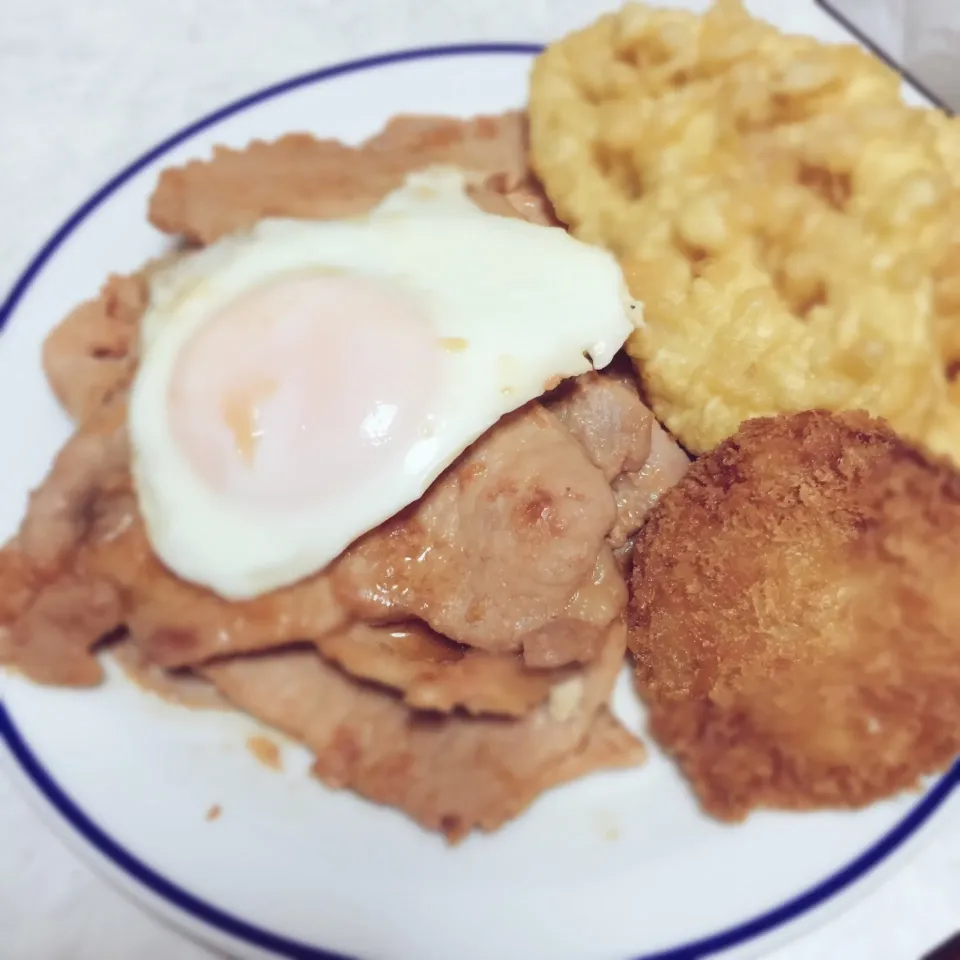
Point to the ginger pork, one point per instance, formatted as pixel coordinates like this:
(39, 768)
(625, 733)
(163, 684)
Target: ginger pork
(455, 660)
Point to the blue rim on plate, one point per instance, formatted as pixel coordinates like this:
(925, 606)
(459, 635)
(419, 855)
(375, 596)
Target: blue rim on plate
(226, 923)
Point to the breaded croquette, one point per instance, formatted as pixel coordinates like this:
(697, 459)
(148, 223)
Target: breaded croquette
(795, 618)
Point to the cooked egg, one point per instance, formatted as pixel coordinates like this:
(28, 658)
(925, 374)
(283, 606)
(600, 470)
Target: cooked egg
(301, 383)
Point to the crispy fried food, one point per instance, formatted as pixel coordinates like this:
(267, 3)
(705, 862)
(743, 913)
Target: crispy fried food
(795, 621)
(433, 673)
(788, 222)
(300, 176)
(452, 773)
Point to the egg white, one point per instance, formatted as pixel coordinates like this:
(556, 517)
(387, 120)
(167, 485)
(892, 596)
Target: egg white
(532, 305)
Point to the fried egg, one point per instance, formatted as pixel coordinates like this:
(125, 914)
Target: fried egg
(303, 382)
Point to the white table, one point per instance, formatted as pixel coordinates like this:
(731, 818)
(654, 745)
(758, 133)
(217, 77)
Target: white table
(84, 87)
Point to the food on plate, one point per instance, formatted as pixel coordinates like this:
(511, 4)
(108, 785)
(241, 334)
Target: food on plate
(266, 751)
(451, 773)
(265, 443)
(801, 650)
(623, 439)
(91, 354)
(428, 591)
(301, 176)
(786, 220)
(183, 687)
(93, 350)
(499, 546)
(364, 456)
(433, 673)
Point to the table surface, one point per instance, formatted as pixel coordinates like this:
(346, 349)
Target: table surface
(84, 87)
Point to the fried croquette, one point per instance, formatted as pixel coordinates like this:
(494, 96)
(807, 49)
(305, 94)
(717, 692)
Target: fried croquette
(795, 617)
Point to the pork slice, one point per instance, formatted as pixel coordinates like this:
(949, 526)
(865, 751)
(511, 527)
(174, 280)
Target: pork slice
(182, 687)
(575, 634)
(89, 355)
(451, 773)
(497, 546)
(54, 612)
(524, 199)
(60, 510)
(176, 624)
(48, 627)
(56, 607)
(604, 412)
(506, 203)
(605, 415)
(303, 177)
(51, 642)
(17, 590)
(433, 673)
(59, 606)
(82, 566)
(49, 624)
(295, 176)
(488, 146)
(638, 491)
(89, 358)
(115, 579)
(18, 587)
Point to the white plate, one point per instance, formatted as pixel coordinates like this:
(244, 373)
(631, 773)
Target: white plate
(618, 865)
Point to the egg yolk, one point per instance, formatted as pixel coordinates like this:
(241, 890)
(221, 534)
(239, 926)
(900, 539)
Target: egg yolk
(303, 388)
